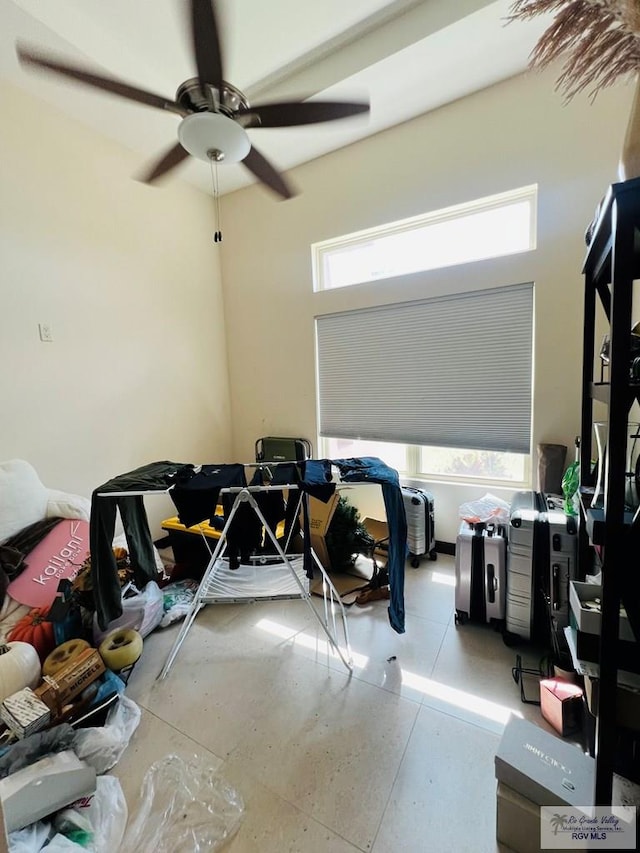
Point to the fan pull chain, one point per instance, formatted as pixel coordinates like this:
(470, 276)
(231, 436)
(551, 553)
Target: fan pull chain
(217, 234)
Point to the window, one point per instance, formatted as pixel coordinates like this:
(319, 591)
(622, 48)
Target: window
(486, 228)
(452, 371)
(438, 387)
(395, 455)
(473, 464)
(437, 463)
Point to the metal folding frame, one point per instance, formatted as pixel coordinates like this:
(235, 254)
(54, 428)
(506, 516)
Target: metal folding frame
(299, 589)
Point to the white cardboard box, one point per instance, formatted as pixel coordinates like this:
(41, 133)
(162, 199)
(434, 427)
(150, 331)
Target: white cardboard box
(517, 821)
(543, 768)
(588, 620)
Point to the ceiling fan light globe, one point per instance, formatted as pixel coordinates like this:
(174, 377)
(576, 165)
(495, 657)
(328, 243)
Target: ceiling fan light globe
(201, 133)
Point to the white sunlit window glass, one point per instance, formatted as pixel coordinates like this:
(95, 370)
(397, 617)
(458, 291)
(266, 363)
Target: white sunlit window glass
(486, 228)
(437, 463)
(473, 464)
(393, 455)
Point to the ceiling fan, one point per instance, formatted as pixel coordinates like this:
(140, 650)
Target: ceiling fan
(215, 115)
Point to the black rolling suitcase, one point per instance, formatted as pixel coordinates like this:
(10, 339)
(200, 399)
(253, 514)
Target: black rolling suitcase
(527, 557)
(562, 537)
(542, 559)
(419, 509)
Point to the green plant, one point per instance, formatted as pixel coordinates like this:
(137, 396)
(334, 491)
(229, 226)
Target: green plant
(346, 537)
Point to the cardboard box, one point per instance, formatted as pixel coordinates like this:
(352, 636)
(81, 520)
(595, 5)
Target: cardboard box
(320, 516)
(587, 619)
(24, 712)
(542, 767)
(627, 654)
(561, 705)
(71, 680)
(627, 703)
(378, 530)
(44, 787)
(517, 821)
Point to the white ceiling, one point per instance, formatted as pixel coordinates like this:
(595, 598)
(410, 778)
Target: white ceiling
(405, 57)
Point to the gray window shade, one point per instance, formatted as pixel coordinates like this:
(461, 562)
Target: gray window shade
(452, 371)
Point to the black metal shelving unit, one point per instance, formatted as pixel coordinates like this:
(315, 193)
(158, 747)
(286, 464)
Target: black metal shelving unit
(611, 265)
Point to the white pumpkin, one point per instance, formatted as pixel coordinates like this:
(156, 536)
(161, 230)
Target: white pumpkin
(19, 668)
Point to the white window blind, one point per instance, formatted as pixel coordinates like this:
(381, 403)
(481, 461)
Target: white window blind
(451, 371)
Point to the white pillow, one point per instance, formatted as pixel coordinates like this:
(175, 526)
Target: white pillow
(23, 498)
(66, 505)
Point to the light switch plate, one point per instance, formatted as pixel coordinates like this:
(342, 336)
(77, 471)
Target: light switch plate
(46, 332)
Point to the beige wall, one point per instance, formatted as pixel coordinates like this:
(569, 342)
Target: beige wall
(512, 134)
(129, 279)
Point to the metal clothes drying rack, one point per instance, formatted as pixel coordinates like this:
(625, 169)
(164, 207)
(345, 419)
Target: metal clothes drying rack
(270, 577)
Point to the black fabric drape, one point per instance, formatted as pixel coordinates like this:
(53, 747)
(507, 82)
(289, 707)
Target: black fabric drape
(106, 586)
(15, 550)
(196, 491)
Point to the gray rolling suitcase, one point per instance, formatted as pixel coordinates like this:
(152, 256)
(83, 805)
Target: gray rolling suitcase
(481, 574)
(541, 560)
(419, 509)
(525, 562)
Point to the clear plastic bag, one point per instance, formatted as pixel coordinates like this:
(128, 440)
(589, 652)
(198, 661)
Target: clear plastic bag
(93, 824)
(60, 844)
(30, 839)
(142, 612)
(178, 598)
(486, 509)
(184, 806)
(96, 823)
(102, 746)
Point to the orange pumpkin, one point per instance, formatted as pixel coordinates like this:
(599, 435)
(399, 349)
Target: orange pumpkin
(34, 629)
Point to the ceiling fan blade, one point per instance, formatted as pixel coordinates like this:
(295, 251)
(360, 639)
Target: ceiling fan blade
(89, 78)
(206, 43)
(265, 172)
(291, 113)
(173, 157)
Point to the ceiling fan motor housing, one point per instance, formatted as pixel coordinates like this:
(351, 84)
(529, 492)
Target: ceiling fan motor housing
(191, 96)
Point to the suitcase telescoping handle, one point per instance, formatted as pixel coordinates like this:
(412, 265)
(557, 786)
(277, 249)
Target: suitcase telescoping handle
(556, 586)
(492, 583)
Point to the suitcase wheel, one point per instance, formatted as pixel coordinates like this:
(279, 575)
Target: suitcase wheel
(460, 617)
(415, 562)
(433, 554)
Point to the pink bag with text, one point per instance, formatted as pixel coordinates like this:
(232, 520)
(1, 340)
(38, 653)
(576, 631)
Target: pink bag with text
(58, 556)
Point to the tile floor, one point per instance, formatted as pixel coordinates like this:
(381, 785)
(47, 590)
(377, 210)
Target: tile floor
(397, 757)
